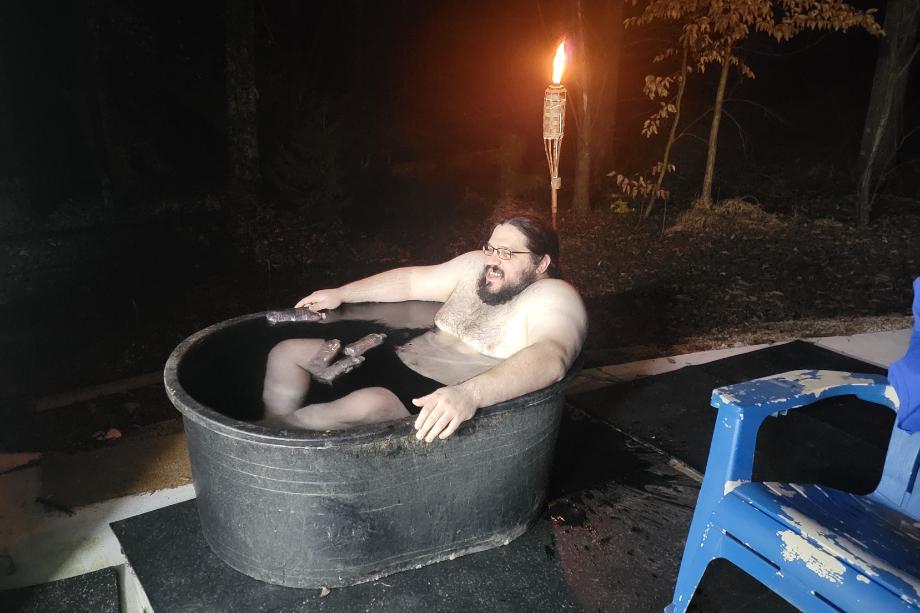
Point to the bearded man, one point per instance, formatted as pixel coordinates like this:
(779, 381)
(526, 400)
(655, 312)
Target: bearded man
(512, 325)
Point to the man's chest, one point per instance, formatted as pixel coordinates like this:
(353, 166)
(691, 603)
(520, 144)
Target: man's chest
(498, 331)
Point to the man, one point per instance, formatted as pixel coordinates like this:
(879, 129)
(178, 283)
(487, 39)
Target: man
(504, 302)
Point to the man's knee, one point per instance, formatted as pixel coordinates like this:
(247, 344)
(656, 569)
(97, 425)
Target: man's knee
(375, 404)
(294, 350)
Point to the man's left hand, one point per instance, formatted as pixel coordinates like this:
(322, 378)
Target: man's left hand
(442, 412)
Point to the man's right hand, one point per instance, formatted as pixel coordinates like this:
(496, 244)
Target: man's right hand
(321, 300)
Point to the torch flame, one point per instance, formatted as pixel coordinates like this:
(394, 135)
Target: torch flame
(559, 63)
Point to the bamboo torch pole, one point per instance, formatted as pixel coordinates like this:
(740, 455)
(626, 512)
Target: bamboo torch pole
(554, 126)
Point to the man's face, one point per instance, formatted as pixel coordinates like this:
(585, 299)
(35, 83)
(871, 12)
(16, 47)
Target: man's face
(502, 280)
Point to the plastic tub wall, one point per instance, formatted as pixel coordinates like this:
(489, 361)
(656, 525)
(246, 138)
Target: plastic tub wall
(311, 509)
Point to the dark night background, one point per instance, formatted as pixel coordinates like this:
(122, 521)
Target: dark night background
(388, 134)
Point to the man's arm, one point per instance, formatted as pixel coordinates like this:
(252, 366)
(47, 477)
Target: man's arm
(556, 330)
(434, 283)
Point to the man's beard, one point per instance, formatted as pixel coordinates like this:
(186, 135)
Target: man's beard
(507, 292)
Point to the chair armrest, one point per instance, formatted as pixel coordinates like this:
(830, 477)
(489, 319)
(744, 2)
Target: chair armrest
(743, 407)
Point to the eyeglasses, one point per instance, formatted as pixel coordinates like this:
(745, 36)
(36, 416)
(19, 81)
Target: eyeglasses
(503, 252)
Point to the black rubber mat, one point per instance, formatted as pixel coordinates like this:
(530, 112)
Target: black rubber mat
(839, 442)
(96, 591)
(179, 572)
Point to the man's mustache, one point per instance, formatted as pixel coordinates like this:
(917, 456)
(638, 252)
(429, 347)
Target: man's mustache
(492, 268)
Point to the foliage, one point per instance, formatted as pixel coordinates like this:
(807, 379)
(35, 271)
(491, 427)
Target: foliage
(714, 28)
(640, 186)
(711, 32)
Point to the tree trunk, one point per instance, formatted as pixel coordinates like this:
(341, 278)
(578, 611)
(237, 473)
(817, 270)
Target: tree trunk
(884, 117)
(607, 148)
(581, 200)
(672, 134)
(242, 97)
(706, 195)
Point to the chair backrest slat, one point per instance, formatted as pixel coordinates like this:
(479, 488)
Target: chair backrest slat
(898, 487)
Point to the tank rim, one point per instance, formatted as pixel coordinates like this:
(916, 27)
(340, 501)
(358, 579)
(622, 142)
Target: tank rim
(213, 420)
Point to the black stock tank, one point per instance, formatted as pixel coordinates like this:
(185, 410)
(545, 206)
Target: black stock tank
(312, 509)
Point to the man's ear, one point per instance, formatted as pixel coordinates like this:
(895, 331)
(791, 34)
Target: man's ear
(543, 265)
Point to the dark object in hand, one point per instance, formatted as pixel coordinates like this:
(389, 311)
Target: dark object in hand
(363, 345)
(333, 372)
(293, 315)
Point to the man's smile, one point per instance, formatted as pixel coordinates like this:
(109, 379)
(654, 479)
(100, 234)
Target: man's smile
(494, 273)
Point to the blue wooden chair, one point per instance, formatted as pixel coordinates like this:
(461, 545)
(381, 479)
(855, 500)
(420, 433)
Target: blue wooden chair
(819, 548)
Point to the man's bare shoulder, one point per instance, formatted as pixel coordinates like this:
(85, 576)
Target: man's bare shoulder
(464, 266)
(439, 281)
(469, 260)
(554, 311)
(551, 301)
(555, 290)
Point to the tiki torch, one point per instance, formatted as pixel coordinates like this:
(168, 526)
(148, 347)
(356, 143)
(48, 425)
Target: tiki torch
(554, 124)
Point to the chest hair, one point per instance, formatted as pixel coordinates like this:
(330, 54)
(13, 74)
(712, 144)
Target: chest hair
(481, 325)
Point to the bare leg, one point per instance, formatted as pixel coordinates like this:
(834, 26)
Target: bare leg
(286, 378)
(365, 406)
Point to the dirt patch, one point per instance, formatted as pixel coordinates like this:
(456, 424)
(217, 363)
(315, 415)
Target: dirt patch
(156, 460)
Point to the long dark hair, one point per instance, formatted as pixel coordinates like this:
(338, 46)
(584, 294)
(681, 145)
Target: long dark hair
(540, 238)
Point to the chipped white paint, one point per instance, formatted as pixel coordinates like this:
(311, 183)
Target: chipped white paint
(892, 395)
(705, 534)
(780, 489)
(862, 578)
(855, 554)
(809, 382)
(726, 423)
(910, 527)
(725, 398)
(731, 485)
(799, 489)
(817, 561)
(815, 385)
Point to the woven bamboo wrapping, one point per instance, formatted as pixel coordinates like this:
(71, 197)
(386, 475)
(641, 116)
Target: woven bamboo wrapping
(553, 112)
